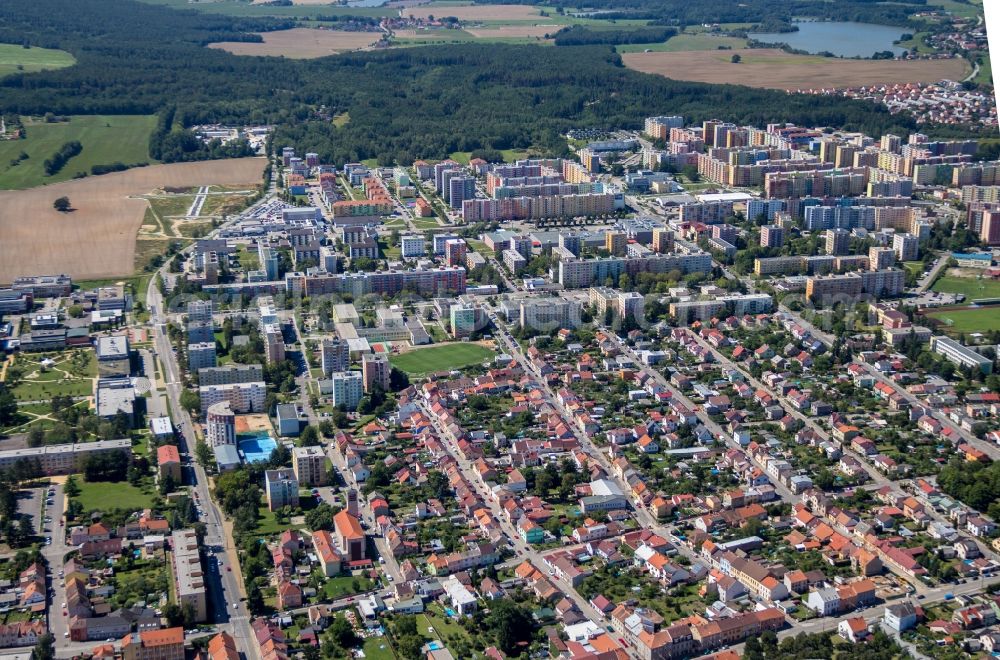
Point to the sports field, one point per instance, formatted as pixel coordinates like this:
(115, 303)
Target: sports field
(982, 319)
(17, 59)
(776, 69)
(440, 358)
(105, 139)
(971, 287)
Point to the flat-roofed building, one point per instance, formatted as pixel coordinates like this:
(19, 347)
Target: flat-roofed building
(375, 370)
(113, 356)
(64, 459)
(335, 355)
(309, 464)
(737, 305)
(201, 356)
(230, 374)
(961, 355)
(44, 286)
(346, 389)
(220, 425)
(189, 576)
(242, 397)
(545, 314)
(282, 488)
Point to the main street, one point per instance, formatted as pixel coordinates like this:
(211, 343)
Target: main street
(224, 578)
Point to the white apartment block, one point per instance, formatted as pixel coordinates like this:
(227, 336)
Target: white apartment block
(242, 397)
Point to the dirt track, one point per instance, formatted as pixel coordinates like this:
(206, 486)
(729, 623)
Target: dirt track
(777, 69)
(97, 239)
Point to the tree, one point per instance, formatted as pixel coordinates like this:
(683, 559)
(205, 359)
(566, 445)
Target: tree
(203, 454)
(45, 648)
(309, 437)
(62, 204)
(398, 380)
(736, 59)
(342, 633)
(320, 518)
(71, 488)
(511, 624)
(190, 400)
(8, 406)
(168, 484)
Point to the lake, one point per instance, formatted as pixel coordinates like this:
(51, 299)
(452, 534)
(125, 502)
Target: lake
(840, 38)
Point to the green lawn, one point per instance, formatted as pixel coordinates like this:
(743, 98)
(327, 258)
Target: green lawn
(343, 585)
(377, 648)
(440, 358)
(268, 525)
(957, 321)
(71, 375)
(971, 287)
(17, 59)
(106, 139)
(103, 496)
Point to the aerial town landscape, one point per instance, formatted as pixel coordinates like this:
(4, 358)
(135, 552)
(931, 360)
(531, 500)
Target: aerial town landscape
(443, 331)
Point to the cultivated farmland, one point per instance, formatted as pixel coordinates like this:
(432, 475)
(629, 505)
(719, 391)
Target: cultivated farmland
(98, 238)
(302, 43)
(776, 69)
(514, 31)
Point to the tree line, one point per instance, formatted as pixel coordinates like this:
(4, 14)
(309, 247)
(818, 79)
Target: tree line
(578, 35)
(58, 160)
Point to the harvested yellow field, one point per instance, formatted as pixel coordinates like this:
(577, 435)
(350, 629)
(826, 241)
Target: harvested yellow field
(98, 238)
(476, 12)
(514, 31)
(301, 43)
(776, 69)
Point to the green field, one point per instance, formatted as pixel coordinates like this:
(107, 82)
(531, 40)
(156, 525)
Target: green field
(17, 59)
(440, 358)
(971, 287)
(106, 139)
(102, 496)
(958, 321)
(685, 42)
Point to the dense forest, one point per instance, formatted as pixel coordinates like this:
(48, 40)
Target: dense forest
(136, 58)
(774, 13)
(577, 35)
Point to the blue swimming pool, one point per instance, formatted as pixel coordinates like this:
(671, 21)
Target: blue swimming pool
(256, 448)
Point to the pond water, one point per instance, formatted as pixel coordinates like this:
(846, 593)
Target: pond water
(843, 39)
